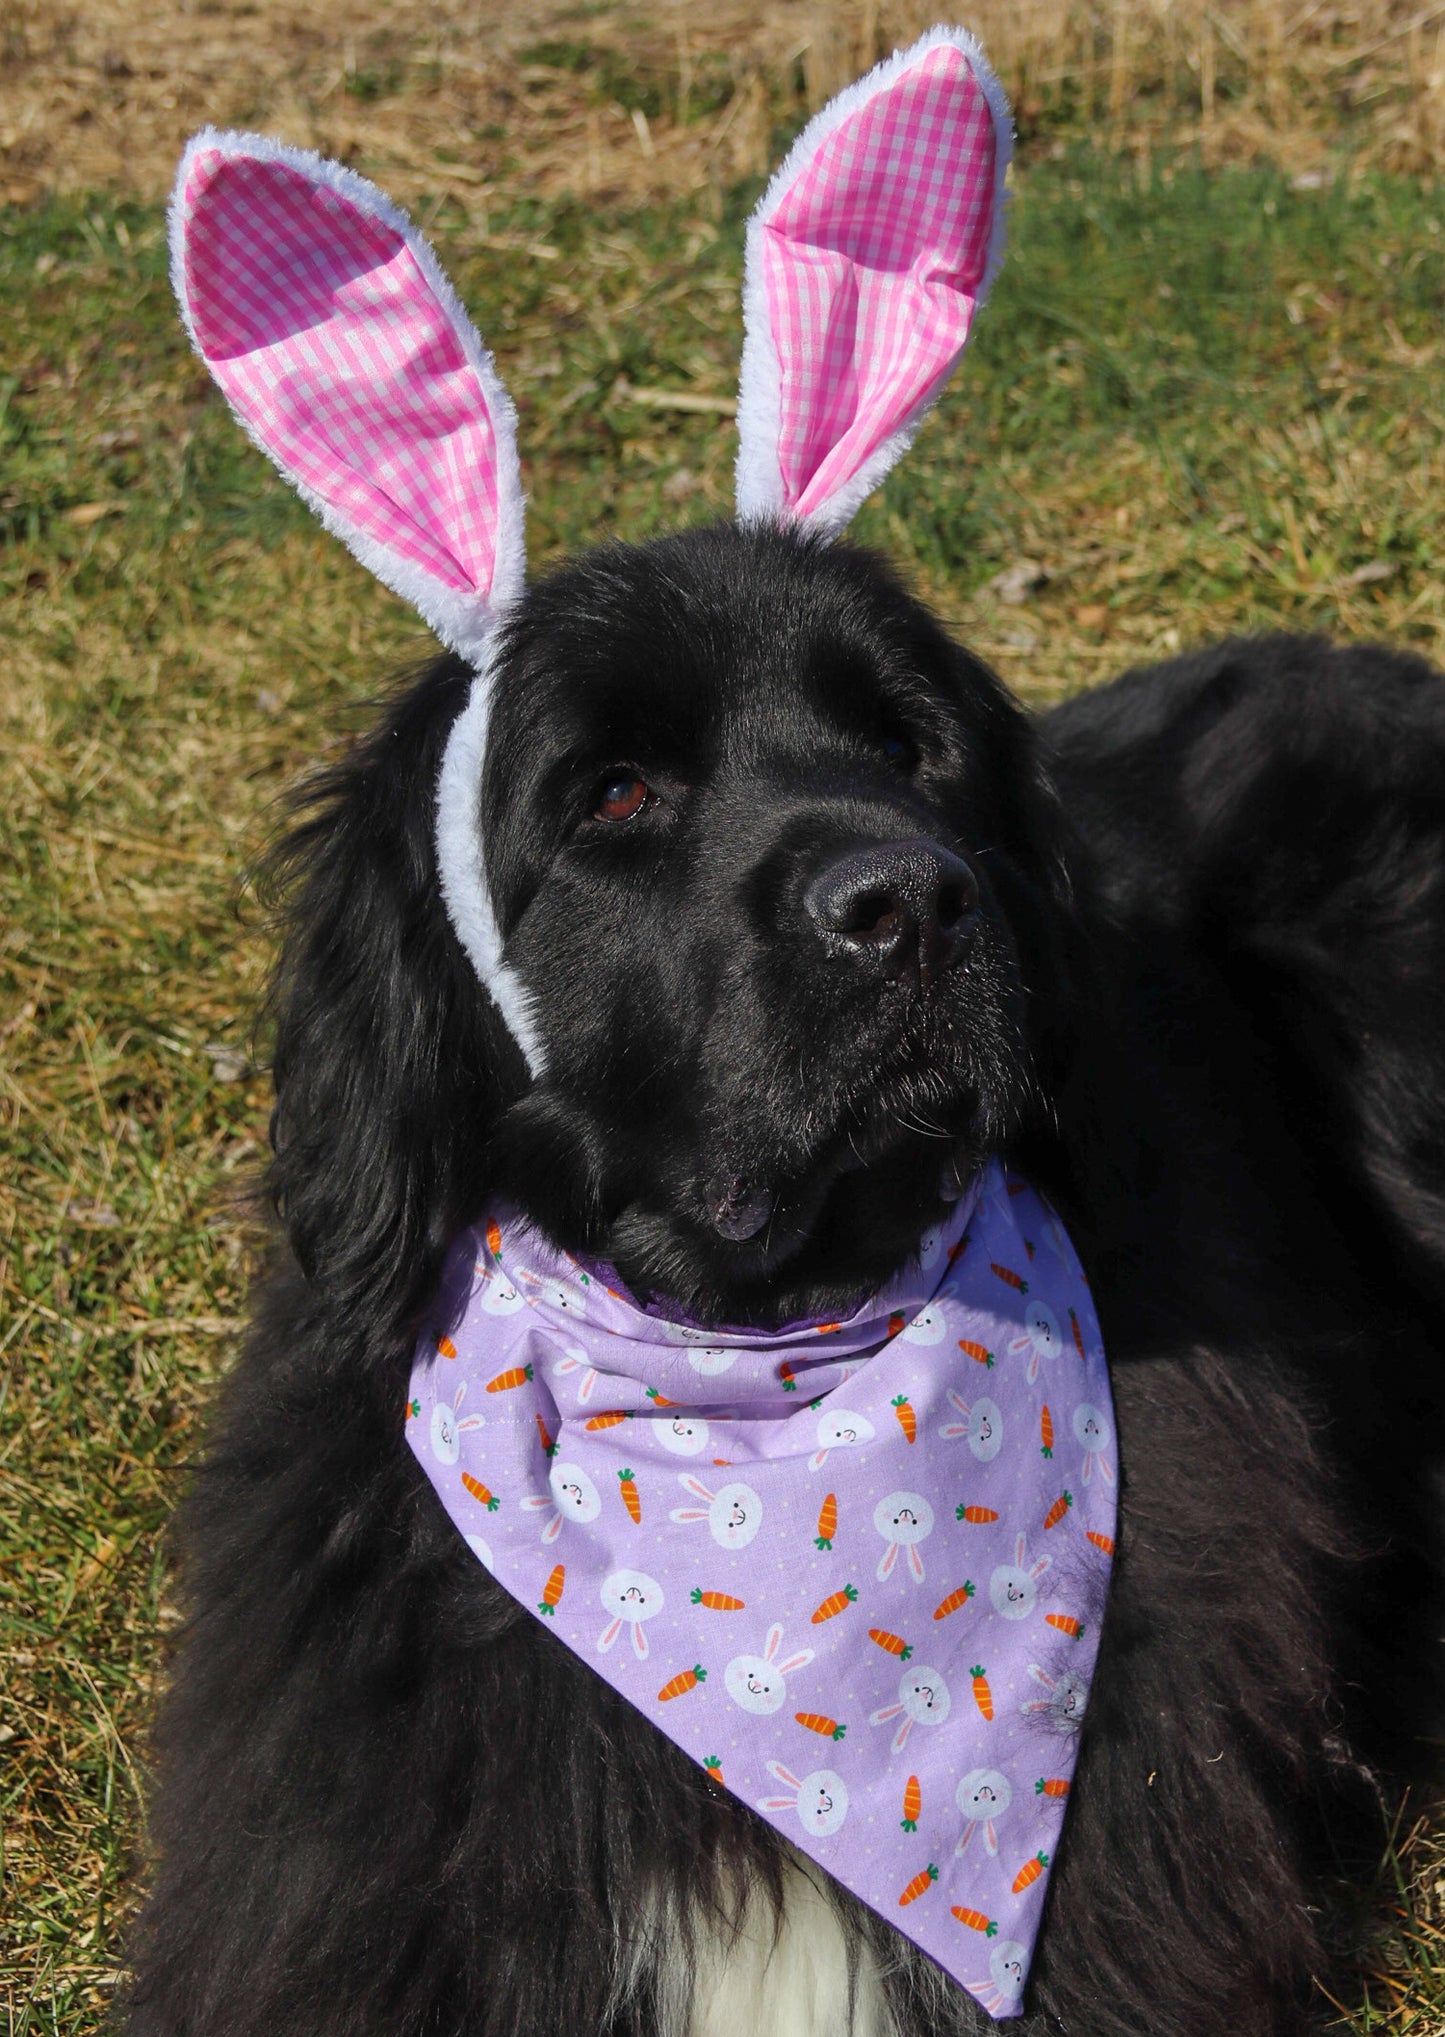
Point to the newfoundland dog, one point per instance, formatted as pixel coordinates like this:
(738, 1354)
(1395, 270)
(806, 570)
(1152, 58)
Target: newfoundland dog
(1177, 950)
(788, 928)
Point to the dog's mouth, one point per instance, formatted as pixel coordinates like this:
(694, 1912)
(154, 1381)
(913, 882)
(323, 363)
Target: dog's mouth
(924, 1089)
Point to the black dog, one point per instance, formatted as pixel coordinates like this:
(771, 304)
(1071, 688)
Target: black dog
(809, 910)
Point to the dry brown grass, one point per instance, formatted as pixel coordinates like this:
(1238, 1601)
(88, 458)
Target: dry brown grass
(465, 99)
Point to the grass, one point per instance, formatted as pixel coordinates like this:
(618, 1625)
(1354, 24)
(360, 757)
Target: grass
(1201, 402)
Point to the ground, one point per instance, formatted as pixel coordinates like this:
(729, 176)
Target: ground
(1206, 398)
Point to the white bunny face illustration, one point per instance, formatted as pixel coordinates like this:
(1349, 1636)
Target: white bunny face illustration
(1014, 1589)
(930, 1249)
(632, 1597)
(927, 1327)
(820, 1799)
(568, 1297)
(733, 1513)
(570, 1496)
(499, 1297)
(1092, 1430)
(576, 1496)
(683, 1435)
(981, 1422)
(903, 1519)
(1064, 1701)
(712, 1359)
(1007, 1965)
(1042, 1339)
(447, 1427)
(758, 1683)
(984, 1795)
(482, 1550)
(839, 1429)
(924, 1699)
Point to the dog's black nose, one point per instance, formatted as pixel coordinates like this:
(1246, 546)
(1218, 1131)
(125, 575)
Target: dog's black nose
(908, 909)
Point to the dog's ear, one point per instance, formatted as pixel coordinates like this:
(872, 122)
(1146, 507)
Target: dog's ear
(392, 1064)
(334, 336)
(867, 259)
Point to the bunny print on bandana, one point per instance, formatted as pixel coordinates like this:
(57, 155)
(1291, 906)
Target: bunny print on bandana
(912, 1608)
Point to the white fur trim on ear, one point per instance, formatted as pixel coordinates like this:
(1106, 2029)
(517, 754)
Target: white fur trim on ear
(759, 481)
(462, 619)
(461, 862)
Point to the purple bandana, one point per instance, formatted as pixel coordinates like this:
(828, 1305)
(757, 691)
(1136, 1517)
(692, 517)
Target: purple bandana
(856, 1570)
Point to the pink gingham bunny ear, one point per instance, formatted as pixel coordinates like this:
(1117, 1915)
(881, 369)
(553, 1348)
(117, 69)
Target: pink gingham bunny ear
(341, 347)
(867, 259)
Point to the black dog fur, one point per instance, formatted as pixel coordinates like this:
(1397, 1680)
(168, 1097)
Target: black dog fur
(1203, 1011)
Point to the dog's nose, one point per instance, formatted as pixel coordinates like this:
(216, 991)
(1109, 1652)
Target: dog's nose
(909, 910)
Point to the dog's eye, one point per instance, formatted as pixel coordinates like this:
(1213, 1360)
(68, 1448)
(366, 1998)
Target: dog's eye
(622, 797)
(899, 749)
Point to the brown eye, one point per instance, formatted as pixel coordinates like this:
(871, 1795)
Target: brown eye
(622, 798)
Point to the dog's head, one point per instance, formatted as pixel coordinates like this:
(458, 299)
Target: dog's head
(775, 867)
(726, 953)
(781, 877)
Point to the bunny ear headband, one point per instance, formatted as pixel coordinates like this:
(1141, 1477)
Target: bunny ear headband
(345, 353)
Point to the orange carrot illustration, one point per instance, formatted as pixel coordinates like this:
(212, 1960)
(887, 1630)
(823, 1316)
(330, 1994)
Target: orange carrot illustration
(413, 1409)
(1029, 1873)
(978, 1351)
(894, 1643)
(918, 1885)
(1016, 1188)
(717, 1601)
(446, 1348)
(1059, 1508)
(548, 1445)
(818, 1722)
(979, 1516)
(1030, 1247)
(1104, 1542)
(912, 1804)
(982, 1695)
(631, 1498)
(1046, 1431)
(957, 1251)
(907, 1419)
(975, 1920)
(835, 1603)
(494, 1237)
(552, 1589)
(515, 1375)
(480, 1492)
(828, 1329)
(1051, 1786)
(955, 1599)
(686, 1679)
(1078, 1333)
(827, 1521)
(660, 1400)
(788, 1376)
(895, 1324)
(1007, 1275)
(1066, 1624)
(713, 1767)
(609, 1420)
